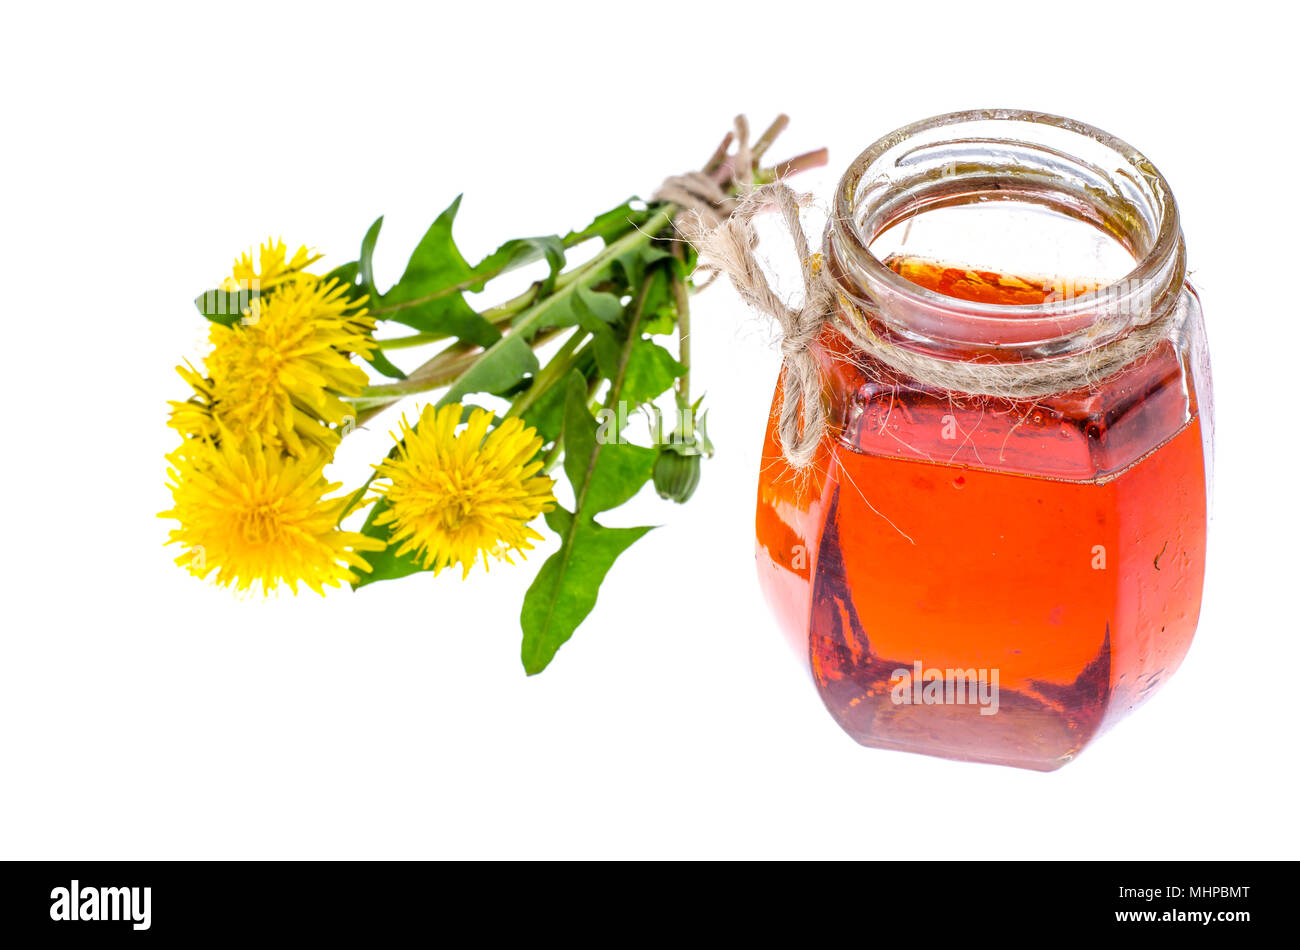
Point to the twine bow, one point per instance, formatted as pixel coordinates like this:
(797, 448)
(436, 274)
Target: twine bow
(729, 248)
(716, 218)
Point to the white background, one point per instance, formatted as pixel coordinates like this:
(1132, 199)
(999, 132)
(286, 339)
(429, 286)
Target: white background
(144, 714)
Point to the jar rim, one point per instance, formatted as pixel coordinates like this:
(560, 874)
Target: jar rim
(1158, 272)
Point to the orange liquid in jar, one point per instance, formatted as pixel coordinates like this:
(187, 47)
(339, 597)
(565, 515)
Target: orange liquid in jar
(1059, 542)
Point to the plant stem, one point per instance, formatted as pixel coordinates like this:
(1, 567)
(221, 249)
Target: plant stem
(793, 166)
(442, 370)
(633, 323)
(532, 318)
(682, 300)
(769, 135)
(615, 390)
(355, 498)
(436, 372)
(414, 339)
(556, 369)
(553, 455)
(497, 316)
(719, 154)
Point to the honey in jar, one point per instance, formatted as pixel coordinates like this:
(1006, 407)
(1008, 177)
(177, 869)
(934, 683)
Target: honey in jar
(985, 577)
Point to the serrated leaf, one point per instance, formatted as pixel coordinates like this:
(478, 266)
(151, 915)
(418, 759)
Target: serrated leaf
(346, 274)
(608, 353)
(659, 322)
(599, 306)
(597, 313)
(435, 276)
(659, 311)
(546, 415)
(365, 263)
(436, 263)
(385, 565)
(602, 476)
(564, 591)
(450, 316)
(631, 267)
(651, 370)
(522, 251)
(503, 365)
(358, 277)
(573, 306)
(609, 225)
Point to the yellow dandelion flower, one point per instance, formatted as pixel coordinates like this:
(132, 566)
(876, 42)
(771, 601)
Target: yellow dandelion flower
(253, 516)
(453, 495)
(193, 418)
(273, 267)
(282, 373)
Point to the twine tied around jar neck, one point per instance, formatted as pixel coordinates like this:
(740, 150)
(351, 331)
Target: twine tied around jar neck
(716, 218)
(727, 246)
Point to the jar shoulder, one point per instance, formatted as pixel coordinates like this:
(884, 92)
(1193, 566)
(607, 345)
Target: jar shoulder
(1085, 434)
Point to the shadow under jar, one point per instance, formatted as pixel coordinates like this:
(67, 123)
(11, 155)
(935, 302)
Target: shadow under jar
(983, 577)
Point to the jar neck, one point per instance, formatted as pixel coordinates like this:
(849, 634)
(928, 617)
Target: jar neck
(970, 158)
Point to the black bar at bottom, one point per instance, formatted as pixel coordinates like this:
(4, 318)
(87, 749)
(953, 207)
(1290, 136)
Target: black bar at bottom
(883, 902)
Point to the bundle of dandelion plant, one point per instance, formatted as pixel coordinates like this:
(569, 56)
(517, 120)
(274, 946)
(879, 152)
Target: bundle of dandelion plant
(286, 380)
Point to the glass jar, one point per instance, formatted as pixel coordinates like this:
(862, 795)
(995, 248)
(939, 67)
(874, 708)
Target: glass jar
(981, 576)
